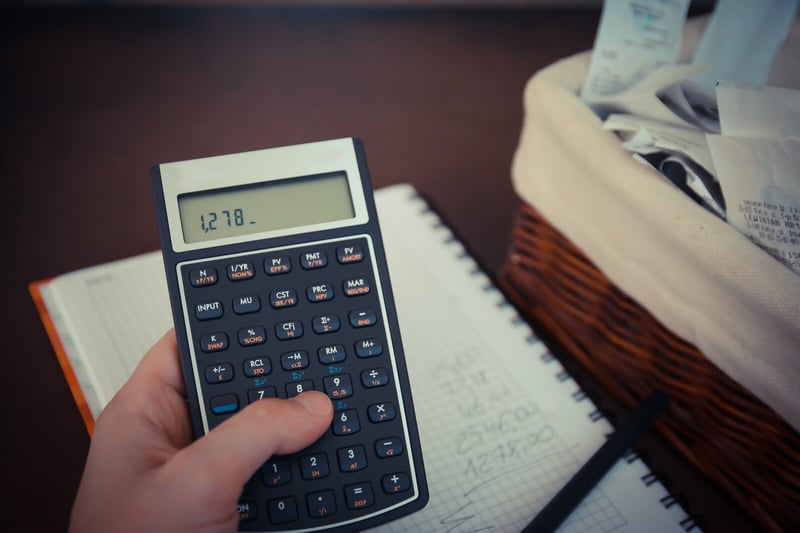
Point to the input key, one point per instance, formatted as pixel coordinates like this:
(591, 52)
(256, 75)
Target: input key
(208, 310)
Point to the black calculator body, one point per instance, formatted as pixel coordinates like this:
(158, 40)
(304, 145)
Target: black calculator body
(279, 284)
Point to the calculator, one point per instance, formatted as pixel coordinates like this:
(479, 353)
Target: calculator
(279, 284)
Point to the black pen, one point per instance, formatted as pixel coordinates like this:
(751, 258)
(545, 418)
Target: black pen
(590, 474)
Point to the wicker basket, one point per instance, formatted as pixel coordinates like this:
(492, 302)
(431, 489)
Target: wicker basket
(727, 433)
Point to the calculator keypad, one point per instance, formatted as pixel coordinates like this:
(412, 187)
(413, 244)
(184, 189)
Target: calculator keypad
(277, 323)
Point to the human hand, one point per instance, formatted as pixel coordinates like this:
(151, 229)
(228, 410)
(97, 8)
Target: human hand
(144, 473)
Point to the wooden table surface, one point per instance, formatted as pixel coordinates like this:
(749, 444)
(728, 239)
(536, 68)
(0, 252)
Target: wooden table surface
(92, 97)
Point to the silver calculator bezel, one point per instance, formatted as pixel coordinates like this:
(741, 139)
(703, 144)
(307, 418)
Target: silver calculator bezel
(260, 166)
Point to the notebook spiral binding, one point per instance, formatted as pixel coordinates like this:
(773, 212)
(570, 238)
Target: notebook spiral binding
(632, 455)
(690, 522)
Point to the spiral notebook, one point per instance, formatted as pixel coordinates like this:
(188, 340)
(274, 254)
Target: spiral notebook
(503, 426)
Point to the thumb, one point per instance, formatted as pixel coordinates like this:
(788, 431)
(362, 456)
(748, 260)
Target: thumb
(229, 454)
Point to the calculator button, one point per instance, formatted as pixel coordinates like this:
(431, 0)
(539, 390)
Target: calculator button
(349, 254)
(246, 304)
(294, 360)
(241, 271)
(291, 329)
(363, 318)
(331, 354)
(252, 336)
(262, 393)
(314, 466)
(319, 293)
(397, 482)
(388, 447)
(283, 298)
(352, 459)
(208, 310)
(203, 277)
(260, 366)
(326, 323)
(381, 412)
(247, 511)
(313, 259)
(321, 504)
(214, 342)
(374, 377)
(281, 264)
(224, 403)
(356, 286)
(219, 373)
(282, 510)
(338, 387)
(359, 496)
(369, 348)
(298, 387)
(346, 422)
(276, 473)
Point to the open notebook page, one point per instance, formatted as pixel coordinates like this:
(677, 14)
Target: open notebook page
(107, 316)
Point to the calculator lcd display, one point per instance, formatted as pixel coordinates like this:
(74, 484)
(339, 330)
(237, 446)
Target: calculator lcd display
(265, 206)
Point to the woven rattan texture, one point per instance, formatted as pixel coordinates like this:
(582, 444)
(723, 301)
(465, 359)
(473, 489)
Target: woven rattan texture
(727, 433)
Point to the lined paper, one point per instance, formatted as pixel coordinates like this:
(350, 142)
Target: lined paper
(107, 317)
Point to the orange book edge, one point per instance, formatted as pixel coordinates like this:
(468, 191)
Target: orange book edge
(61, 354)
